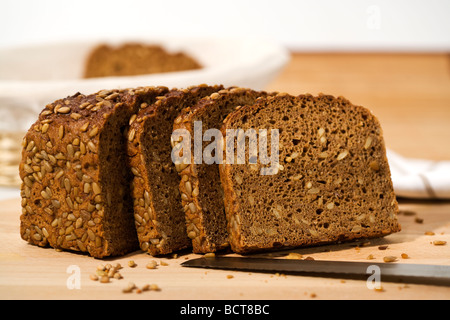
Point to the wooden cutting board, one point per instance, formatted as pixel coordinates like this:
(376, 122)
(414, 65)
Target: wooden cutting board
(29, 272)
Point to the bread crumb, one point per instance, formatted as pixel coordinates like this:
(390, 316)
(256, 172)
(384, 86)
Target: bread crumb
(390, 259)
(93, 277)
(154, 287)
(418, 220)
(151, 265)
(407, 212)
(294, 256)
(365, 244)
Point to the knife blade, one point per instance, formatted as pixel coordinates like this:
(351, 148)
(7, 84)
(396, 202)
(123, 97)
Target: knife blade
(390, 272)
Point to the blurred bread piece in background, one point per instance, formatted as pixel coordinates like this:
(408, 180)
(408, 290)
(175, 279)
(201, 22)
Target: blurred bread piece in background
(130, 59)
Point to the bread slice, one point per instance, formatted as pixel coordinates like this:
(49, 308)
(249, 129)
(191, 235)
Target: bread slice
(201, 191)
(159, 215)
(332, 182)
(76, 182)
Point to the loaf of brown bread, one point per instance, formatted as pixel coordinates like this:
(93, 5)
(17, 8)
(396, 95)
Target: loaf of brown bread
(159, 214)
(130, 59)
(98, 173)
(332, 182)
(76, 182)
(201, 191)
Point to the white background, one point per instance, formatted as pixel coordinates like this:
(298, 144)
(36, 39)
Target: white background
(380, 25)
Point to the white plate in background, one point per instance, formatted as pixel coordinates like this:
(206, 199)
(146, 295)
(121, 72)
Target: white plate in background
(39, 74)
(35, 75)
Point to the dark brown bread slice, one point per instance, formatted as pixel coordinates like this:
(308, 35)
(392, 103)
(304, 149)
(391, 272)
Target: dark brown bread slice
(201, 191)
(76, 182)
(131, 59)
(333, 181)
(159, 215)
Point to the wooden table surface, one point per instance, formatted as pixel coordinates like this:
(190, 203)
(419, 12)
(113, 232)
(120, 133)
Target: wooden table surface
(410, 94)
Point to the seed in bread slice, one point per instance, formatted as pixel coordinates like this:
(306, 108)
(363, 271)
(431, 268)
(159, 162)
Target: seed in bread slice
(200, 188)
(333, 180)
(159, 214)
(76, 182)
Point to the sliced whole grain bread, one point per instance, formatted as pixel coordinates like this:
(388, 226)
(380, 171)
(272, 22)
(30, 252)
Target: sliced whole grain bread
(159, 215)
(332, 182)
(76, 182)
(200, 188)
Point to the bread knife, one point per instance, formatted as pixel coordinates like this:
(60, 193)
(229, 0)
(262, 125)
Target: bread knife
(390, 272)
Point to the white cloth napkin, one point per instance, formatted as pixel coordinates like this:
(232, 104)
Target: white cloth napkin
(419, 178)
